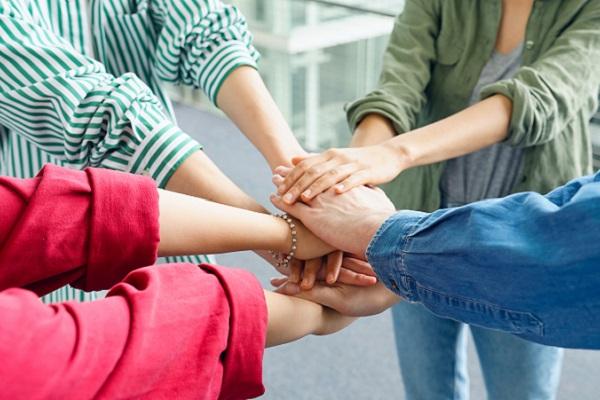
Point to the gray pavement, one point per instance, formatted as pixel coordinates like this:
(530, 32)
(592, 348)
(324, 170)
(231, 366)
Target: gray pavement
(359, 362)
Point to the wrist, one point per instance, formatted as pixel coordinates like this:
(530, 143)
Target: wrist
(369, 228)
(280, 235)
(283, 154)
(400, 152)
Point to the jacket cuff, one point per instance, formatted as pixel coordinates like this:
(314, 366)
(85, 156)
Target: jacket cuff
(124, 233)
(359, 109)
(222, 61)
(242, 364)
(162, 152)
(387, 248)
(522, 119)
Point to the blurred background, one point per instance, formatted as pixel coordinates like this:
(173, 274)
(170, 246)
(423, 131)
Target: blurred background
(316, 56)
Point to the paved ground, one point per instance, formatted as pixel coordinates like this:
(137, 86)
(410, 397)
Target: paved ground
(360, 362)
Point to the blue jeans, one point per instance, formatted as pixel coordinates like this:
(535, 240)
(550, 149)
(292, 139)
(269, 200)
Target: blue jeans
(433, 359)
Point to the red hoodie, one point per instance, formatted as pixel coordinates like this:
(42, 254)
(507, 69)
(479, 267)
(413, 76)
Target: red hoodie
(175, 331)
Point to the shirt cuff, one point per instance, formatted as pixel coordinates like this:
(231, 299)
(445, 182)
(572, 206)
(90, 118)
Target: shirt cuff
(520, 118)
(222, 61)
(124, 233)
(386, 251)
(242, 363)
(375, 104)
(161, 152)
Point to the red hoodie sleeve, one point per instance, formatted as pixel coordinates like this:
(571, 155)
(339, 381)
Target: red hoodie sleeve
(88, 228)
(166, 332)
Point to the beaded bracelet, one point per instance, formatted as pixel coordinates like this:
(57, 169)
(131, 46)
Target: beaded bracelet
(283, 261)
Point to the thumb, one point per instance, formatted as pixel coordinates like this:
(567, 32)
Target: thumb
(297, 159)
(329, 296)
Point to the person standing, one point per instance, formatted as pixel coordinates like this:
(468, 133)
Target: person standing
(477, 99)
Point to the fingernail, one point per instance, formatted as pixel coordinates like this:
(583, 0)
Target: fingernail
(281, 189)
(287, 198)
(339, 187)
(330, 279)
(306, 193)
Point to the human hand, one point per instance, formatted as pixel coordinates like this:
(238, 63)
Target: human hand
(307, 246)
(334, 267)
(346, 221)
(342, 169)
(348, 300)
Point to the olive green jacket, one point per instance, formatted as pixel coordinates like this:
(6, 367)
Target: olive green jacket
(434, 59)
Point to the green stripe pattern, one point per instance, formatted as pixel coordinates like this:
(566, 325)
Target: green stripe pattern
(81, 83)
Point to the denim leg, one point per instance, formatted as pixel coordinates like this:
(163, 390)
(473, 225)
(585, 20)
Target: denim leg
(515, 369)
(432, 354)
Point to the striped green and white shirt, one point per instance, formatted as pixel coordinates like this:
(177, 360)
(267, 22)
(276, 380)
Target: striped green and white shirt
(80, 82)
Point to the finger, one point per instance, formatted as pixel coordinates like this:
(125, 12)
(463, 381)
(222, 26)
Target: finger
(277, 179)
(295, 272)
(298, 210)
(289, 288)
(299, 171)
(357, 179)
(282, 170)
(279, 281)
(358, 266)
(333, 267)
(322, 294)
(312, 174)
(352, 278)
(329, 177)
(311, 268)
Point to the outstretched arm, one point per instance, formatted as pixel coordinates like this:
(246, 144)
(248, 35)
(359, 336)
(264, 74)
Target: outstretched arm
(90, 228)
(523, 264)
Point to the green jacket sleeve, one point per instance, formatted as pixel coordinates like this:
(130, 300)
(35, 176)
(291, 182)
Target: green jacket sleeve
(406, 68)
(547, 94)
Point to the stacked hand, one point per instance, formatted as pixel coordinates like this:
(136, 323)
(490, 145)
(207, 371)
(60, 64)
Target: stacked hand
(340, 169)
(316, 260)
(348, 222)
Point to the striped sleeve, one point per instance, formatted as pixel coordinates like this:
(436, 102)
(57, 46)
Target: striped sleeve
(201, 42)
(68, 105)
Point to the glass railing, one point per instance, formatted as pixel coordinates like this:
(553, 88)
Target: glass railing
(317, 55)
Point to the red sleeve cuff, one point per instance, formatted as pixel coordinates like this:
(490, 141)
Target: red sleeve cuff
(124, 232)
(242, 365)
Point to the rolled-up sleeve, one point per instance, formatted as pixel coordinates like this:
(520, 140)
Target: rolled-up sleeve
(70, 107)
(201, 42)
(88, 229)
(525, 264)
(547, 94)
(400, 93)
(171, 331)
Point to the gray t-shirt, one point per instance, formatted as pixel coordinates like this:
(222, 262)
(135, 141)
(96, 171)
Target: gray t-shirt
(493, 171)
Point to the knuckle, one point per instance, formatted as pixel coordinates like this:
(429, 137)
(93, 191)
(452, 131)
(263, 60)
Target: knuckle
(332, 152)
(312, 172)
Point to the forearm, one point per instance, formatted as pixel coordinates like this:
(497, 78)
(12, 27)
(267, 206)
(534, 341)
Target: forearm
(467, 131)
(291, 318)
(373, 129)
(198, 176)
(189, 225)
(248, 103)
